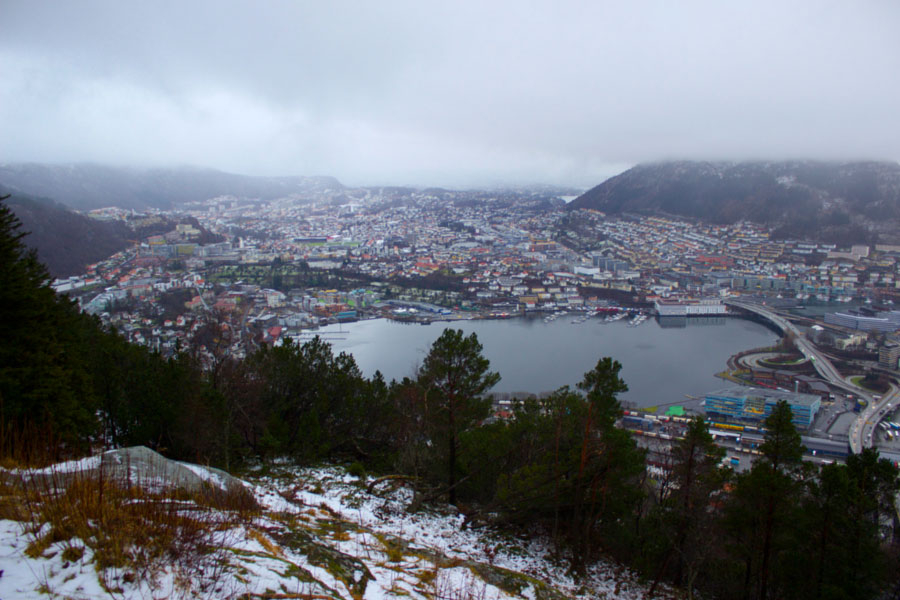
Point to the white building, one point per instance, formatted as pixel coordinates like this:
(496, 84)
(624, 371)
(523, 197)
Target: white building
(690, 308)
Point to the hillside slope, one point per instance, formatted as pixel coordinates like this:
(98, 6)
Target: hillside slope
(65, 240)
(836, 202)
(320, 534)
(89, 186)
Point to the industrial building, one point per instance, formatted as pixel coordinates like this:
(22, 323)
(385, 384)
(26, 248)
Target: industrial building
(746, 404)
(814, 445)
(883, 321)
(686, 308)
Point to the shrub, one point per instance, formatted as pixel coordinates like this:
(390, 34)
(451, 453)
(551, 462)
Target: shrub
(357, 470)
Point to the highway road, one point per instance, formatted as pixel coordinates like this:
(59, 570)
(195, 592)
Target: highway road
(863, 429)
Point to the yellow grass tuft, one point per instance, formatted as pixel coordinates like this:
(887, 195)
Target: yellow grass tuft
(266, 543)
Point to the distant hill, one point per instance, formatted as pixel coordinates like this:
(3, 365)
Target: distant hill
(841, 203)
(89, 186)
(65, 241)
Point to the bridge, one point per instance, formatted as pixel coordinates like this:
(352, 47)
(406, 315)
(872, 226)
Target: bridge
(862, 430)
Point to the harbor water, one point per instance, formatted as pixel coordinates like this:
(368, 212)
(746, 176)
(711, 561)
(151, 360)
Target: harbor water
(660, 364)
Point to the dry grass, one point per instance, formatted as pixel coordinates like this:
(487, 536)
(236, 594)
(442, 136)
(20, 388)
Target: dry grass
(468, 587)
(266, 543)
(132, 533)
(29, 445)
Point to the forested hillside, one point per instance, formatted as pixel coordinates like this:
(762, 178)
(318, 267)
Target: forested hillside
(65, 240)
(841, 203)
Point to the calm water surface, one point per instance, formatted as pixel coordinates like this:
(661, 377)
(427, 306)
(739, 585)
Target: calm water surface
(660, 365)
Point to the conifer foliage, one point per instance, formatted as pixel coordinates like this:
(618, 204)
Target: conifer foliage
(43, 376)
(454, 378)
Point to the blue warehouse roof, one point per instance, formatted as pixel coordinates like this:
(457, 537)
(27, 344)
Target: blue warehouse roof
(755, 404)
(741, 391)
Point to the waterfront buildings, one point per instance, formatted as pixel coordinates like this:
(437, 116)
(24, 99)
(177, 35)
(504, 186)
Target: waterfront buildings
(885, 321)
(489, 252)
(752, 405)
(690, 308)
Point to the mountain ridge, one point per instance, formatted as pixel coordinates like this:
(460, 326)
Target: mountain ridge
(839, 202)
(86, 186)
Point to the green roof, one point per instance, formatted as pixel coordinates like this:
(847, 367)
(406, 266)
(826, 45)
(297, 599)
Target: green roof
(675, 411)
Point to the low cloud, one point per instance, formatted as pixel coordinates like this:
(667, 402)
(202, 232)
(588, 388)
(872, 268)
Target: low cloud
(461, 94)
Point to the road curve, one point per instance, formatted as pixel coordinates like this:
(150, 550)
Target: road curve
(861, 432)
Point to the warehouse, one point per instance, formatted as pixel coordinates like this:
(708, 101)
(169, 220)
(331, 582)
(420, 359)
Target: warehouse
(746, 404)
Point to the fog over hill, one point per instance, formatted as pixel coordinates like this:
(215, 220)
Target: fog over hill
(88, 186)
(45, 197)
(839, 202)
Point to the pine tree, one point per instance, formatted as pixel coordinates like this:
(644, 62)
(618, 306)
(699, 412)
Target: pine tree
(44, 376)
(605, 490)
(874, 486)
(580, 476)
(687, 519)
(454, 376)
(761, 513)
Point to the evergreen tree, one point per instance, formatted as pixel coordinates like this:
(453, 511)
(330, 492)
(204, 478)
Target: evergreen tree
(547, 435)
(782, 448)
(820, 562)
(606, 488)
(293, 399)
(873, 490)
(454, 376)
(581, 476)
(688, 522)
(602, 384)
(408, 432)
(845, 527)
(761, 514)
(44, 371)
(295, 375)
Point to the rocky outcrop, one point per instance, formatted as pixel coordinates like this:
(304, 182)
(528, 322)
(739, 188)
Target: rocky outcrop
(137, 467)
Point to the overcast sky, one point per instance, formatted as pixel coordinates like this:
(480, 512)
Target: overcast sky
(447, 93)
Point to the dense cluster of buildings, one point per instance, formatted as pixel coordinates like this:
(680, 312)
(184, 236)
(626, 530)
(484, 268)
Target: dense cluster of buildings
(488, 253)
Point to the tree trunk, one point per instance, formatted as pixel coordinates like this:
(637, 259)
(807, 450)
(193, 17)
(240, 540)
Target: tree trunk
(767, 549)
(451, 477)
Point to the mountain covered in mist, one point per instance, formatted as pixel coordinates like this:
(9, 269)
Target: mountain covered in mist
(89, 186)
(837, 202)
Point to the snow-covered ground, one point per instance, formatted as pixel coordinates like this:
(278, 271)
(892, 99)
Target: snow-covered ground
(320, 534)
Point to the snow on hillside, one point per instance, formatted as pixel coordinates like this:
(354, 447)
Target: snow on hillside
(320, 534)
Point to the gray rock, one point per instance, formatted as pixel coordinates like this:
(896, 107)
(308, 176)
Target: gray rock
(139, 467)
(142, 467)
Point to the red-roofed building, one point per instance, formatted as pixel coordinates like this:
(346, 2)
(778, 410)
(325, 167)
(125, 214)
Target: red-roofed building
(271, 335)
